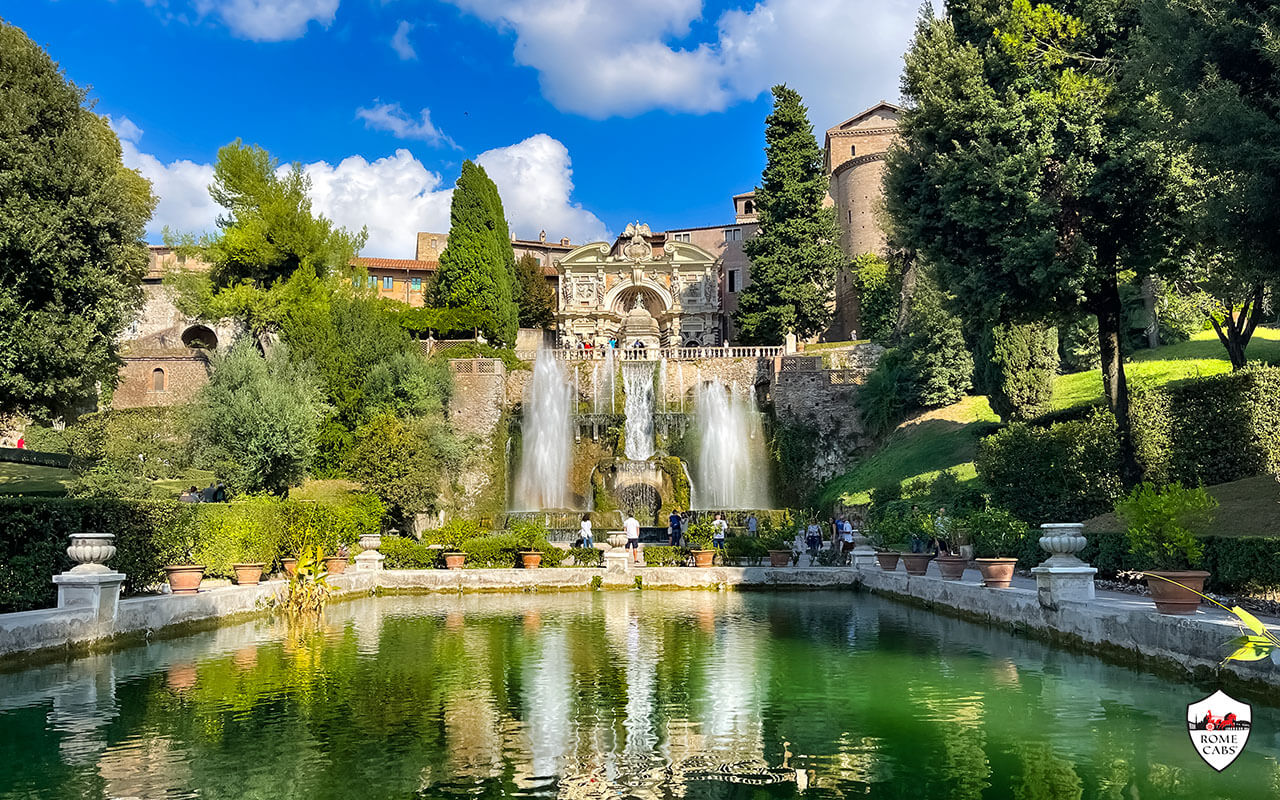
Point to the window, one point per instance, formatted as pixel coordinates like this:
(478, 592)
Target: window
(748, 207)
(355, 282)
(386, 282)
(435, 244)
(733, 234)
(417, 284)
(733, 281)
(680, 237)
(851, 216)
(372, 281)
(157, 380)
(853, 149)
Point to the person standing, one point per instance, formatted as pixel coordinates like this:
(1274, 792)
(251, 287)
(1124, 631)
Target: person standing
(846, 538)
(753, 525)
(584, 532)
(719, 529)
(631, 526)
(676, 529)
(813, 538)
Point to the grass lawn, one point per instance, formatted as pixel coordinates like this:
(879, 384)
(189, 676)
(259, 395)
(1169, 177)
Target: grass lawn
(1249, 507)
(33, 479)
(947, 437)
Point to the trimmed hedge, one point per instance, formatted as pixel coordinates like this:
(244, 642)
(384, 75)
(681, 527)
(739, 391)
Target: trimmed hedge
(666, 556)
(404, 553)
(153, 533)
(1237, 564)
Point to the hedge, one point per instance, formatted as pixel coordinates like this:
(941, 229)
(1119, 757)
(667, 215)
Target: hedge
(1237, 564)
(153, 533)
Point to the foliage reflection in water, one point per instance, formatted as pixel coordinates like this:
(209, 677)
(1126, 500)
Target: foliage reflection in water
(609, 694)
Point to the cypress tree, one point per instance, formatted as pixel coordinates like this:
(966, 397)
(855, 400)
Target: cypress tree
(795, 255)
(1016, 368)
(477, 268)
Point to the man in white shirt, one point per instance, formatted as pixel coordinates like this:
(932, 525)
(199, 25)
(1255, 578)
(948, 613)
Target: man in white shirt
(632, 528)
(720, 529)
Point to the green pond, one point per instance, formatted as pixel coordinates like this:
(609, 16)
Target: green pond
(611, 694)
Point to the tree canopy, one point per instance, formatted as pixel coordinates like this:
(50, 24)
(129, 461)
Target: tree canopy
(477, 268)
(534, 296)
(1022, 176)
(72, 218)
(795, 255)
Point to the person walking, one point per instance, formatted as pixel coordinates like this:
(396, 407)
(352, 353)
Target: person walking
(631, 526)
(719, 529)
(584, 532)
(675, 530)
(846, 539)
(813, 538)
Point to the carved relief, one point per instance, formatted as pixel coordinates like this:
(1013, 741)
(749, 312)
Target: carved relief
(638, 249)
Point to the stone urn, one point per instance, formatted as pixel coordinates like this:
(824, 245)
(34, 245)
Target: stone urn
(617, 539)
(91, 551)
(1062, 540)
(916, 563)
(370, 541)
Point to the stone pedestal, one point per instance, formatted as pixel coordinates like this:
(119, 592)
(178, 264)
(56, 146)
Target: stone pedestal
(863, 555)
(1063, 576)
(370, 560)
(91, 583)
(617, 560)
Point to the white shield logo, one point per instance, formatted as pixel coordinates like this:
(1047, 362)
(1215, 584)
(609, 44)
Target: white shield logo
(1219, 727)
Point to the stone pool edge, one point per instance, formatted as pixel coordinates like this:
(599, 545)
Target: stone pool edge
(1187, 647)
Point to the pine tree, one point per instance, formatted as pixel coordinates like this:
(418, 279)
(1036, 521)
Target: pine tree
(795, 255)
(477, 268)
(71, 224)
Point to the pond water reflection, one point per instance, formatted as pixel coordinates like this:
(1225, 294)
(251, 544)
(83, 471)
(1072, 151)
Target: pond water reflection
(610, 694)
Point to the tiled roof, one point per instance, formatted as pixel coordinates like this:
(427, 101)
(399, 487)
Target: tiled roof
(397, 263)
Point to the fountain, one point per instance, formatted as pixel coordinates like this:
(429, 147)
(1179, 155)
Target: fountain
(637, 383)
(602, 383)
(731, 472)
(542, 481)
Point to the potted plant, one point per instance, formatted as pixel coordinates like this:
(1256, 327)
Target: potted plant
(185, 575)
(257, 547)
(528, 535)
(919, 527)
(337, 564)
(698, 537)
(1161, 525)
(451, 536)
(290, 566)
(997, 535)
(781, 551)
(888, 535)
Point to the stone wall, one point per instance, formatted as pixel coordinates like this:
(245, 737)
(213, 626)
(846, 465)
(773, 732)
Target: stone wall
(476, 411)
(184, 374)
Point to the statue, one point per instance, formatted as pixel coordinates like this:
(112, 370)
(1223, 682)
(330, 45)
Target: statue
(638, 248)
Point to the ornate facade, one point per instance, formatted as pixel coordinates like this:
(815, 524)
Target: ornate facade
(608, 292)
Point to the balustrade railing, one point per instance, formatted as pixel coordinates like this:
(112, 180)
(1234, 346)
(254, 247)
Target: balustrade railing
(654, 353)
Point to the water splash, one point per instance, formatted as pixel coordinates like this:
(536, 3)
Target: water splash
(637, 382)
(731, 470)
(543, 479)
(603, 377)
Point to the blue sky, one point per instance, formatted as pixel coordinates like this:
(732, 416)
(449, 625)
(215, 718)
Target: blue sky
(587, 113)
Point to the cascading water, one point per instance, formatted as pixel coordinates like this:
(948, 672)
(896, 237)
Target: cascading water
(731, 471)
(602, 383)
(637, 382)
(543, 479)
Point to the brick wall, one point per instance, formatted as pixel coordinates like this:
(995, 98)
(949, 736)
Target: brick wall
(184, 374)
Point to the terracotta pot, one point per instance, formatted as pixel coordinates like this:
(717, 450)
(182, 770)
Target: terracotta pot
(996, 572)
(185, 578)
(779, 558)
(1171, 598)
(952, 567)
(290, 566)
(248, 574)
(335, 565)
(531, 559)
(454, 560)
(888, 561)
(916, 563)
(702, 558)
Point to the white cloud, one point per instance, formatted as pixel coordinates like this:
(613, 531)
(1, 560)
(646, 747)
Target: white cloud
(269, 20)
(601, 58)
(394, 197)
(401, 44)
(535, 180)
(392, 118)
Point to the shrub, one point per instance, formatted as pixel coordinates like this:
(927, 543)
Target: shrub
(244, 532)
(585, 556)
(746, 548)
(1065, 472)
(885, 396)
(503, 550)
(405, 553)
(878, 296)
(1237, 564)
(938, 364)
(665, 556)
(453, 534)
(996, 533)
(891, 530)
(1016, 365)
(1161, 523)
(1210, 430)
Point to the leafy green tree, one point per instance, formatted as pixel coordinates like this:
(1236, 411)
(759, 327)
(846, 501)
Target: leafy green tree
(477, 268)
(795, 255)
(1215, 65)
(72, 219)
(937, 363)
(255, 422)
(1023, 176)
(269, 230)
(1016, 368)
(404, 462)
(878, 297)
(534, 296)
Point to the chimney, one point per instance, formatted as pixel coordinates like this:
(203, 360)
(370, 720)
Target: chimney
(565, 241)
(542, 236)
